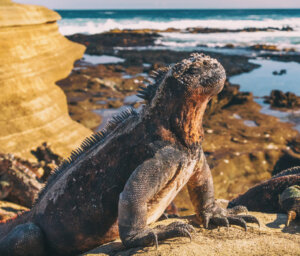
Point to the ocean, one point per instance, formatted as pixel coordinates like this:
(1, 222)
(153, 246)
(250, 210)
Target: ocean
(97, 21)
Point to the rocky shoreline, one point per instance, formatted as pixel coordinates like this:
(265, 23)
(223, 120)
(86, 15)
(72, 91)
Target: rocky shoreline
(243, 146)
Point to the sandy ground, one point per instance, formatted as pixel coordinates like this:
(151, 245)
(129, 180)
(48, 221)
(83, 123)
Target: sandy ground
(272, 238)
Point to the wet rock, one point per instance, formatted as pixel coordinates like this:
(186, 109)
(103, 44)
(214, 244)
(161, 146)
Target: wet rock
(264, 47)
(241, 155)
(282, 57)
(132, 84)
(233, 64)
(115, 104)
(91, 88)
(229, 46)
(280, 73)
(289, 49)
(279, 99)
(98, 44)
(201, 30)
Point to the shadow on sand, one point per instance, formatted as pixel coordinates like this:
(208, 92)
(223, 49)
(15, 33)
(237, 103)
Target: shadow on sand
(279, 223)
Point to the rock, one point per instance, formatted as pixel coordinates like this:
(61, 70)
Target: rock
(264, 47)
(229, 46)
(10, 210)
(241, 155)
(201, 30)
(233, 64)
(230, 95)
(280, 73)
(279, 99)
(281, 57)
(47, 160)
(19, 182)
(33, 56)
(132, 84)
(45, 153)
(94, 87)
(98, 44)
(271, 239)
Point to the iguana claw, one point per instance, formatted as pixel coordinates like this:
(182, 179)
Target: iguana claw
(150, 237)
(224, 218)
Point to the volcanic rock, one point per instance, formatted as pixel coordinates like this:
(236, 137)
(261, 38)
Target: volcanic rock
(279, 99)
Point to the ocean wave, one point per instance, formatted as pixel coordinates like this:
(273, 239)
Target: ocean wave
(92, 26)
(242, 39)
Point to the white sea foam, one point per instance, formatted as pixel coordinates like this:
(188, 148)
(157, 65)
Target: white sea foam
(282, 39)
(102, 59)
(92, 26)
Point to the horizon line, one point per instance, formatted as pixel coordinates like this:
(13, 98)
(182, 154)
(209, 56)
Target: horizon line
(190, 9)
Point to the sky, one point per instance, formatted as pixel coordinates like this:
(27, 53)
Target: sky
(162, 4)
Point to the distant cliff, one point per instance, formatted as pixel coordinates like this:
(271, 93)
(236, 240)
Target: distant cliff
(33, 56)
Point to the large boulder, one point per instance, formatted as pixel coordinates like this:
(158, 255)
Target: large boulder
(33, 56)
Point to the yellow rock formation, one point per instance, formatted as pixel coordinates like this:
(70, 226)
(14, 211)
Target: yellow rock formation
(33, 56)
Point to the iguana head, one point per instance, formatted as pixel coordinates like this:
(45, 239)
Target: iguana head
(181, 93)
(198, 73)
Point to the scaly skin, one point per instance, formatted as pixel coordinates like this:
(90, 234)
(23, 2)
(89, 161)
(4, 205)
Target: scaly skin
(124, 178)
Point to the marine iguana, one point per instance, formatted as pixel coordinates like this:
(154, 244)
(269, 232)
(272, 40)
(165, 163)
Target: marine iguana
(122, 179)
(281, 193)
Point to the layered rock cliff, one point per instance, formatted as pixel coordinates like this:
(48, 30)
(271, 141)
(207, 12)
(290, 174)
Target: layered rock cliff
(33, 56)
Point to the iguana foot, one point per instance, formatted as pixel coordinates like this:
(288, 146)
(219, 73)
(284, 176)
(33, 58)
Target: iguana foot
(226, 217)
(149, 237)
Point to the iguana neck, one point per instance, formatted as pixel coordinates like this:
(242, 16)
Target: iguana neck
(180, 119)
(187, 123)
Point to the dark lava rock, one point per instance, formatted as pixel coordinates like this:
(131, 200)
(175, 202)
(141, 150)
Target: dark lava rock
(280, 73)
(201, 30)
(282, 57)
(47, 159)
(19, 181)
(279, 99)
(233, 64)
(104, 43)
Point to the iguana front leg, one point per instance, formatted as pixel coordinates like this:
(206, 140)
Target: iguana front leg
(201, 190)
(146, 183)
